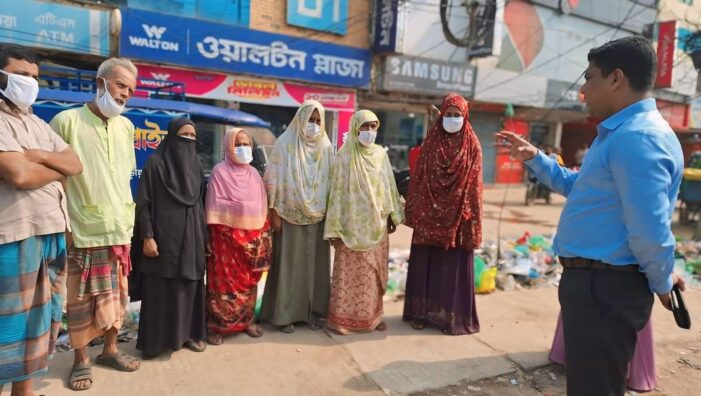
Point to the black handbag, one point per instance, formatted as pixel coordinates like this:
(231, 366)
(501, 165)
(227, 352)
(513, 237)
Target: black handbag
(681, 314)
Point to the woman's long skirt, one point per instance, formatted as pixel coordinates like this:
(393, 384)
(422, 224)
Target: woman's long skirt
(172, 312)
(297, 287)
(358, 284)
(440, 289)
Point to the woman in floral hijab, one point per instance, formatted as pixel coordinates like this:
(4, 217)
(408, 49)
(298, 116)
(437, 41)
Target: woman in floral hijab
(297, 181)
(364, 207)
(444, 207)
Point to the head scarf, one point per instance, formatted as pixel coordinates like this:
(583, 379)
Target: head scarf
(444, 204)
(363, 192)
(182, 174)
(236, 194)
(297, 176)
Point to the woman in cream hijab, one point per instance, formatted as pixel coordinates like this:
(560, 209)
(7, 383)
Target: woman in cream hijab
(297, 181)
(364, 207)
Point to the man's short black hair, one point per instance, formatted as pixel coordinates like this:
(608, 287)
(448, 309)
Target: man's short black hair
(16, 51)
(419, 141)
(634, 55)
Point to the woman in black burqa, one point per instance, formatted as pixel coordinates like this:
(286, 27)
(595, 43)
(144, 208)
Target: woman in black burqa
(170, 238)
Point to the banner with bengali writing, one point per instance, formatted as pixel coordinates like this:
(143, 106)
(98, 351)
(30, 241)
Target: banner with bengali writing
(205, 45)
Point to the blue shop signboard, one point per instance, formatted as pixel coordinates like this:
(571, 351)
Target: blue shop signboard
(200, 44)
(56, 26)
(385, 26)
(324, 15)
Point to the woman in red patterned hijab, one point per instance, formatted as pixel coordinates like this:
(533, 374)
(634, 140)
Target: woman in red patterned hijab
(444, 207)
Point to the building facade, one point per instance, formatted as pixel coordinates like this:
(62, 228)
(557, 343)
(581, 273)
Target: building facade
(520, 63)
(266, 59)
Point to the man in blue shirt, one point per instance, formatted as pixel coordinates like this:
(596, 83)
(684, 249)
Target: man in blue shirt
(614, 237)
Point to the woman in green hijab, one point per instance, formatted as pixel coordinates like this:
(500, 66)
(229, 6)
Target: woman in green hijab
(364, 208)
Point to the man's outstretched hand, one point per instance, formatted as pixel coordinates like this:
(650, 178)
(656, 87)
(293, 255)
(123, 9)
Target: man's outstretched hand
(521, 149)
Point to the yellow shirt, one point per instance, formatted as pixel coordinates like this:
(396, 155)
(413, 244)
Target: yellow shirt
(100, 203)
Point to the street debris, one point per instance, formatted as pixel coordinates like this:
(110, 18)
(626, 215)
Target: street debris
(689, 363)
(524, 262)
(687, 263)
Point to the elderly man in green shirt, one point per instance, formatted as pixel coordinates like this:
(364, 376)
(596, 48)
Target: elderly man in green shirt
(101, 210)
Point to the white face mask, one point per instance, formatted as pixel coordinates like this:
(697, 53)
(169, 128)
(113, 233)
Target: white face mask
(312, 130)
(243, 154)
(367, 138)
(21, 90)
(453, 124)
(106, 103)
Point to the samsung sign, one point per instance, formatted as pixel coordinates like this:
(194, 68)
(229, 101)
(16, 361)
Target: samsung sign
(427, 76)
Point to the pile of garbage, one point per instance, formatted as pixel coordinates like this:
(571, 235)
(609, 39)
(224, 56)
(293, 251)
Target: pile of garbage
(526, 262)
(398, 268)
(687, 261)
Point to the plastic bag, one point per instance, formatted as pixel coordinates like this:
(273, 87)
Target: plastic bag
(479, 269)
(488, 281)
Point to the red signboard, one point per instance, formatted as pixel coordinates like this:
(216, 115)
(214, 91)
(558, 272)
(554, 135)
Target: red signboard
(676, 114)
(220, 86)
(666, 43)
(211, 85)
(509, 170)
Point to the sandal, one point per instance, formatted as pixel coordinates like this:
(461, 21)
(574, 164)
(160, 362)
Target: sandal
(195, 346)
(289, 329)
(146, 356)
(214, 339)
(418, 324)
(80, 372)
(119, 361)
(254, 331)
(382, 326)
(315, 325)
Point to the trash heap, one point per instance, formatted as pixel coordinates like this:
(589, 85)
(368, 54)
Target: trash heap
(398, 267)
(687, 261)
(526, 262)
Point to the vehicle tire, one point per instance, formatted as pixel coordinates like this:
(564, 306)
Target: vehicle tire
(683, 213)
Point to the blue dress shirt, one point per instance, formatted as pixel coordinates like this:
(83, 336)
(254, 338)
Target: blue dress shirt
(620, 204)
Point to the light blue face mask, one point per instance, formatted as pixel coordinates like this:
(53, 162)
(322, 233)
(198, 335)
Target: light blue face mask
(243, 154)
(367, 138)
(312, 130)
(106, 103)
(453, 124)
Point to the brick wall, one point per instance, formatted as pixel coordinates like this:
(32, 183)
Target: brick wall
(271, 16)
